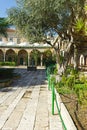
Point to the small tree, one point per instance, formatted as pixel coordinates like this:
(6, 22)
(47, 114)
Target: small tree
(48, 58)
(35, 56)
(35, 19)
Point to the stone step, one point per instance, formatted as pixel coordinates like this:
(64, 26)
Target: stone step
(28, 119)
(41, 122)
(15, 117)
(10, 109)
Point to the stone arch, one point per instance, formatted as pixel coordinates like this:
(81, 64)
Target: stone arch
(22, 57)
(10, 55)
(1, 56)
(81, 60)
(35, 57)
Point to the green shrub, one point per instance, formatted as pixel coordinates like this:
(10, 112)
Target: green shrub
(55, 70)
(7, 63)
(79, 90)
(83, 79)
(64, 79)
(53, 80)
(50, 69)
(68, 70)
(63, 90)
(70, 82)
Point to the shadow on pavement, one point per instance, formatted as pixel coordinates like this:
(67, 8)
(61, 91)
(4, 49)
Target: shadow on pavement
(27, 79)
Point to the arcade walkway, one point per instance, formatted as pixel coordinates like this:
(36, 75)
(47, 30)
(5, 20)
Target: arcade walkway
(26, 104)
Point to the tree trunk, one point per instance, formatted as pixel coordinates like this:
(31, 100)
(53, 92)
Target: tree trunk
(67, 54)
(75, 57)
(58, 59)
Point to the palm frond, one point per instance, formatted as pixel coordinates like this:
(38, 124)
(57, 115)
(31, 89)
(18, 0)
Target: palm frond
(79, 25)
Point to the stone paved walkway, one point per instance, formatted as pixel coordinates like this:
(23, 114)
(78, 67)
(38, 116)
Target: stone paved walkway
(26, 104)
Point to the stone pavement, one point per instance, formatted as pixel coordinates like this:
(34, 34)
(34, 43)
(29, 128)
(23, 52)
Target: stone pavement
(26, 104)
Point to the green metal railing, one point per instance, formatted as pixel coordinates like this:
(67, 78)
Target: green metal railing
(54, 99)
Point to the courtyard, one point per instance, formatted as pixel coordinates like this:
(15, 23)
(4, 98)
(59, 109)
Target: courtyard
(26, 104)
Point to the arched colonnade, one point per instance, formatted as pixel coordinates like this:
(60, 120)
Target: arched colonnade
(82, 60)
(23, 56)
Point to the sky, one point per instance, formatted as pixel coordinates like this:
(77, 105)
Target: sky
(4, 5)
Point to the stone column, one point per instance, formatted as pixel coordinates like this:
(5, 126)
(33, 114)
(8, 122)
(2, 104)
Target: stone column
(4, 55)
(28, 58)
(41, 63)
(82, 61)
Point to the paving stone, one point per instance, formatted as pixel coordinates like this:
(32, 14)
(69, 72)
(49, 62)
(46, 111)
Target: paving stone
(11, 98)
(27, 121)
(16, 116)
(28, 105)
(41, 121)
(54, 120)
(5, 97)
(10, 109)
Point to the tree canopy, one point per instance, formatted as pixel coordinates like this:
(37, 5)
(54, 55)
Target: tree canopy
(37, 18)
(3, 26)
(66, 19)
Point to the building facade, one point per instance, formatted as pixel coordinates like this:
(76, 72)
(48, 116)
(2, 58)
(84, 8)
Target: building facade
(17, 49)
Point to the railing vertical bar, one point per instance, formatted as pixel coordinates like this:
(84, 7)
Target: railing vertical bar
(60, 115)
(53, 99)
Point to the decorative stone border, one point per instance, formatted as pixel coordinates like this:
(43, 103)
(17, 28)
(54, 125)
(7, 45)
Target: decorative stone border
(65, 114)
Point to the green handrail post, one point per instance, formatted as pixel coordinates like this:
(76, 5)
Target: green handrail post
(63, 124)
(48, 82)
(53, 97)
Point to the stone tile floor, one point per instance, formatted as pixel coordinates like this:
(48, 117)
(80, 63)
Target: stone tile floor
(26, 104)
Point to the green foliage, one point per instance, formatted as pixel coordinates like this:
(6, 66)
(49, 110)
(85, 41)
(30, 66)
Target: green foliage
(3, 26)
(55, 70)
(35, 18)
(68, 70)
(35, 54)
(81, 90)
(85, 8)
(73, 82)
(50, 69)
(61, 59)
(64, 90)
(79, 25)
(60, 84)
(48, 59)
(82, 79)
(64, 79)
(70, 81)
(7, 63)
(52, 80)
